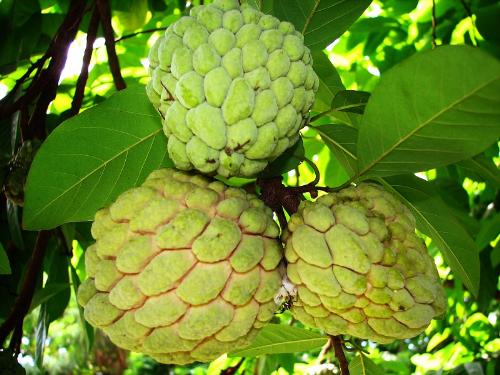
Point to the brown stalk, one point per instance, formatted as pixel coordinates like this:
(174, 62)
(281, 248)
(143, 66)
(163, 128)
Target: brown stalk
(114, 65)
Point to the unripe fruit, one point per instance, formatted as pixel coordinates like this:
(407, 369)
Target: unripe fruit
(183, 268)
(359, 268)
(234, 87)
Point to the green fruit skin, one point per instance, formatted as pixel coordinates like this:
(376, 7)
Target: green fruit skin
(227, 65)
(183, 269)
(359, 268)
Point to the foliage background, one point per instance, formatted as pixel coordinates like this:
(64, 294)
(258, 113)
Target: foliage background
(56, 340)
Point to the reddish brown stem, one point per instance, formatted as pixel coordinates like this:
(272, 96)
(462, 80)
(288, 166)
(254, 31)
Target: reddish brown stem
(87, 56)
(22, 304)
(114, 64)
(232, 370)
(339, 353)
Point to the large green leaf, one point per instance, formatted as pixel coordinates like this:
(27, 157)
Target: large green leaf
(321, 21)
(90, 159)
(362, 365)
(341, 139)
(435, 108)
(279, 338)
(436, 221)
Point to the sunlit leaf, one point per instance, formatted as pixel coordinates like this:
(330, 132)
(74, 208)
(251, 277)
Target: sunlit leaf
(362, 365)
(320, 21)
(278, 338)
(92, 158)
(329, 82)
(350, 101)
(435, 220)
(435, 108)
(341, 139)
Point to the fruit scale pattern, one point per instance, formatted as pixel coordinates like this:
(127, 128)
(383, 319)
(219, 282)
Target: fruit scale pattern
(234, 87)
(183, 269)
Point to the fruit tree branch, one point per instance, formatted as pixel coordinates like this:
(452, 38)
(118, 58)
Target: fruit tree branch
(87, 56)
(114, 64)
(434, 23)
(23, 301)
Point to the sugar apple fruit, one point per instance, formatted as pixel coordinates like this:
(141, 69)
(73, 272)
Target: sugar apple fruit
(183, 268)
(233, 85)
(359, 268)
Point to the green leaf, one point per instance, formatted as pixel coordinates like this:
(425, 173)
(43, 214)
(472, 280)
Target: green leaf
(320, 21)
(435, 108)
(329, 81)
(87, 328)
(290, 159)
(44, 294)
(4, 262)
(488, 230)
(350, 101)
(362, 365)
(41, 330)
(481, 168)
(436, 221)
(278, 338)
(90, 159)
(341, 139)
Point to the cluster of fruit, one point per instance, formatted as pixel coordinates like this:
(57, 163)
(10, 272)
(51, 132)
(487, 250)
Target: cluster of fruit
(185, 268)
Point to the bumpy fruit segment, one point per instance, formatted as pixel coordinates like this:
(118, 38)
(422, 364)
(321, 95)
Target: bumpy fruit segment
(234, 87)
(183, 268)
(359, 268)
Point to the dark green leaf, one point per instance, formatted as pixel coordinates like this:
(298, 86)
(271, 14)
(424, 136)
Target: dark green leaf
(42, 328)
(92, 158)
(435, 108)
(435, 220)
(4, 262)
(321, 21)
(481, 168)
(350, 101)
(44, 294)
(488, 282)
(488, 231)
(87, 328)
(487, 21)
(362, 365)
(341, 139)
(278, 338)
(290, 159)
(329, 81)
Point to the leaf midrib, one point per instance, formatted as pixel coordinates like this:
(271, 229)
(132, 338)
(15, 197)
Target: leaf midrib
(425, 123)
(310, 16)
(127, 149)
(323, 134)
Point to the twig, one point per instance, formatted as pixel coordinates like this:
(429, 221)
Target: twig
(434, 23)
(147, 31)
(339, 353)
(23, 301)
(114, 64)
(16, 339)
(50, 77)
(232, 370)
(325, 349)
(87, 56)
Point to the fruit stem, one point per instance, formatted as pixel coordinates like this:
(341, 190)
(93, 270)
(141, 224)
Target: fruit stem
(339, 353)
